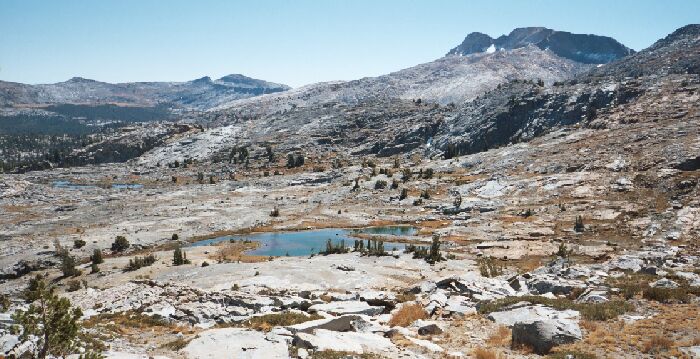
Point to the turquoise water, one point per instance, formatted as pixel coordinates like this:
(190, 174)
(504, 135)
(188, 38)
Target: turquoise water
(126, 186)
(304, 243)
(70, 185)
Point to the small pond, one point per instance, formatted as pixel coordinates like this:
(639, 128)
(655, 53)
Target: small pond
(71, 185)
(304, 243)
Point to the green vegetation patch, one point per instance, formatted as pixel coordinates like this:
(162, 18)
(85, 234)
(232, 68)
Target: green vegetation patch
(590, 311)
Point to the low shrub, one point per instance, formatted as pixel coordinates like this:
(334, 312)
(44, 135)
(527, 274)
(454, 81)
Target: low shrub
(120, 244)
(407, 314)
(96, 257)
(176, 344)
(658, 344)
(380, 184)
(667, 295)
(268, 321)
(488, 267)
(501, 337)
(140, 262)
(483, 353)
(74, 285)
(589, 311)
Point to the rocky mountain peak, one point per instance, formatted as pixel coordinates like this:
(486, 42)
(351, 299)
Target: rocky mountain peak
(677, 53)
(589, 49)
(236, 78)
(475, 42)
(203, 80)
(78, 79)
(686, 33)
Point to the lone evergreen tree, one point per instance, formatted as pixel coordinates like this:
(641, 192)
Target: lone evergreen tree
(270, 154)
(180, 257)
(120, 244)
(96, 257)
(68, 264)
(578, 225)
(49, 320)
(434, 255)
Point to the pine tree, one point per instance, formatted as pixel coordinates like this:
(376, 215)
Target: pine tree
(96, 257)
(435, 255)
(270, 155)
(178, 257)
(578, 225)
(404, 194)
(68, 264)
(49, 320)
(120, 244)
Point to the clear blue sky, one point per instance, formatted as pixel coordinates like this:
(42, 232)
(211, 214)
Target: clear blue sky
(290, 41)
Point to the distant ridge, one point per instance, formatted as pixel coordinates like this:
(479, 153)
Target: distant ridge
(200, 94)
(587, 49)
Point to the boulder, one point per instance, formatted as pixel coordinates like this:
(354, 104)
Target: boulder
(593, 296)
(162, 310)
(543, 335)
(379, 298)
(553, 284)
(360, 343)
(626, 262)
(426, 344)
(526, 313)
(430, 329)
(540, 327)
(6, 320)
(8, 342)
(348, 307)
(692, 278)
(459, 305)
(477, 287)
(346, 323)
(236, 343)
(664, 283)
(651, 270)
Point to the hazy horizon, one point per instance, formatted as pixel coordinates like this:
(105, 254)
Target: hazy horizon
(144, 41)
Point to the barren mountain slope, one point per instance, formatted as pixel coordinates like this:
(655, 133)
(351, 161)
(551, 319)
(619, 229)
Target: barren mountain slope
(448, 79)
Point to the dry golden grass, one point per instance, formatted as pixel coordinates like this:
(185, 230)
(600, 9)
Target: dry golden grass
(501, 337)
(658, 344)
(230, 252)
(517, 219)
(523, 348)
(428, 227)
(679, 324)
(407, 314)
(527, 263)
(589, 325)
(483, 353)
(405, 297)
(266, 322)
